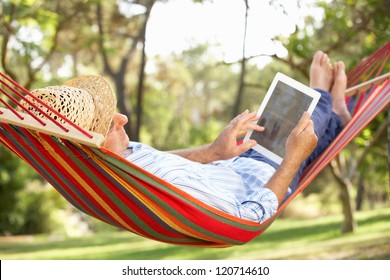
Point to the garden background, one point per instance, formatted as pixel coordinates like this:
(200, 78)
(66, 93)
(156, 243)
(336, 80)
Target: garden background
(181, 70)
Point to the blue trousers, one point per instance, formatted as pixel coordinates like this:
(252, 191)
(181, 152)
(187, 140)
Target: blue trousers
(327, 126)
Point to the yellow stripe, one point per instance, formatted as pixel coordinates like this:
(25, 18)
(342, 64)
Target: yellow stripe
(80, 180)
(149, 203)
(146, 201)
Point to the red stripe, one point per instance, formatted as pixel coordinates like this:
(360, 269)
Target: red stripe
(44, 164)
(358, 103)
(204, 220)
(198, 216)
(174, 199)
(163, 196)
(87, 180)
(132, 206)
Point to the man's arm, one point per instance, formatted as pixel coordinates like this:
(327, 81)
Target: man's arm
(300, 144)
(202, 154)
(225, 145)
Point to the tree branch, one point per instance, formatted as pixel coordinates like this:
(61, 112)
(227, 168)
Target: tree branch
(107, 66)
(32, 72)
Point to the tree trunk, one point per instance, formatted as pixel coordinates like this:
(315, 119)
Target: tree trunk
(360, 194)
(345, 185)
(123, 106)
(119, 75)
(349, 223)
(141, 76)
(241, 82)
(388, 140)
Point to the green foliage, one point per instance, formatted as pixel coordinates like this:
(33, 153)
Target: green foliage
(26, 204)
(36, 205)
(16, 203)
(205, 134)
(187, 99)
(10, 183)
(32, 25)
(349, 31)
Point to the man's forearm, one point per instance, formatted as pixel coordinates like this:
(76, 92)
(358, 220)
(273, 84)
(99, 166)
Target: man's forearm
(200, 154)
(225, 145)
(300, 144)
(282, 179)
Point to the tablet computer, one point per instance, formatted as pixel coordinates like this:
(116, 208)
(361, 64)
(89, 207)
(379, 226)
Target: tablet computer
(280, 111)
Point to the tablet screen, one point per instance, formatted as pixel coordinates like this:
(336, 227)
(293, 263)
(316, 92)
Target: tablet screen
(280, 112)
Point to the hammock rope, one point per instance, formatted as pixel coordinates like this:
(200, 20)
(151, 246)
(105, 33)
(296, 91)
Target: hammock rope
(117, 192)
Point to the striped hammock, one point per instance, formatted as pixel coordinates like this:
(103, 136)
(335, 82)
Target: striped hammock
(119, 193)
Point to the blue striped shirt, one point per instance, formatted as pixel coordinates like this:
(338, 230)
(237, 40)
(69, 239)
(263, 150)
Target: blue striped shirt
(234, 186)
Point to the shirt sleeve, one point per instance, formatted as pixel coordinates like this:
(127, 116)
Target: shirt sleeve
(260, 206)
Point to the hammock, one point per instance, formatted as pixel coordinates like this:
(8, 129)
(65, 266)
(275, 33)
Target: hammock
(119, 193)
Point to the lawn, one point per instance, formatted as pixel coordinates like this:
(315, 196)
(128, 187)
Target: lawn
(310, 238)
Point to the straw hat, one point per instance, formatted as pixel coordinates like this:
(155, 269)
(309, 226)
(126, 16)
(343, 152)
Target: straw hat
(87, 100)
(104, 100)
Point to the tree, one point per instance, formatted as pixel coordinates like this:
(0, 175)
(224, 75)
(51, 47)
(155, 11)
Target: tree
(243, 62)
(112, 42)
(23, 58)
(24, 61)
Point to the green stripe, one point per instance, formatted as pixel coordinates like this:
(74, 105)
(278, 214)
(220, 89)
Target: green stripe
(144, 176)
(115, 200)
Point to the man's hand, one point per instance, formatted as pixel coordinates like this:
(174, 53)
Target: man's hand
(225, 145)
(301, 142)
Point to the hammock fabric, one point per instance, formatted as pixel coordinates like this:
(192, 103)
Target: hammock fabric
(119, 193)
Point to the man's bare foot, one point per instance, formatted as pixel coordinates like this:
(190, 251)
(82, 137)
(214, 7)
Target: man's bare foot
(321, 72)
(338, 93)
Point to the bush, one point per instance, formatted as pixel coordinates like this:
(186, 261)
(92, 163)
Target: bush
(37, 204)
(12, 174)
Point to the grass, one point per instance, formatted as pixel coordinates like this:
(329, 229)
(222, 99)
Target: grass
(311, 238)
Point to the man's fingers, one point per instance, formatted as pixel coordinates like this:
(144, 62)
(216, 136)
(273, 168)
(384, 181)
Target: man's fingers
(245, 146)
(253, 126)
(248, 117)
(310, 126)
(241, 120)
(242, 114)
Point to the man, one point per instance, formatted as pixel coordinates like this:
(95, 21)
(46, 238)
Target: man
(237, 179)
(234, 179)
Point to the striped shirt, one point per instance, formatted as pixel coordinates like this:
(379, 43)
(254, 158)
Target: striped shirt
(235, 186)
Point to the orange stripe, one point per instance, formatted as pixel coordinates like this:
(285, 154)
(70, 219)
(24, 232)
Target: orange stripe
(84, 184)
